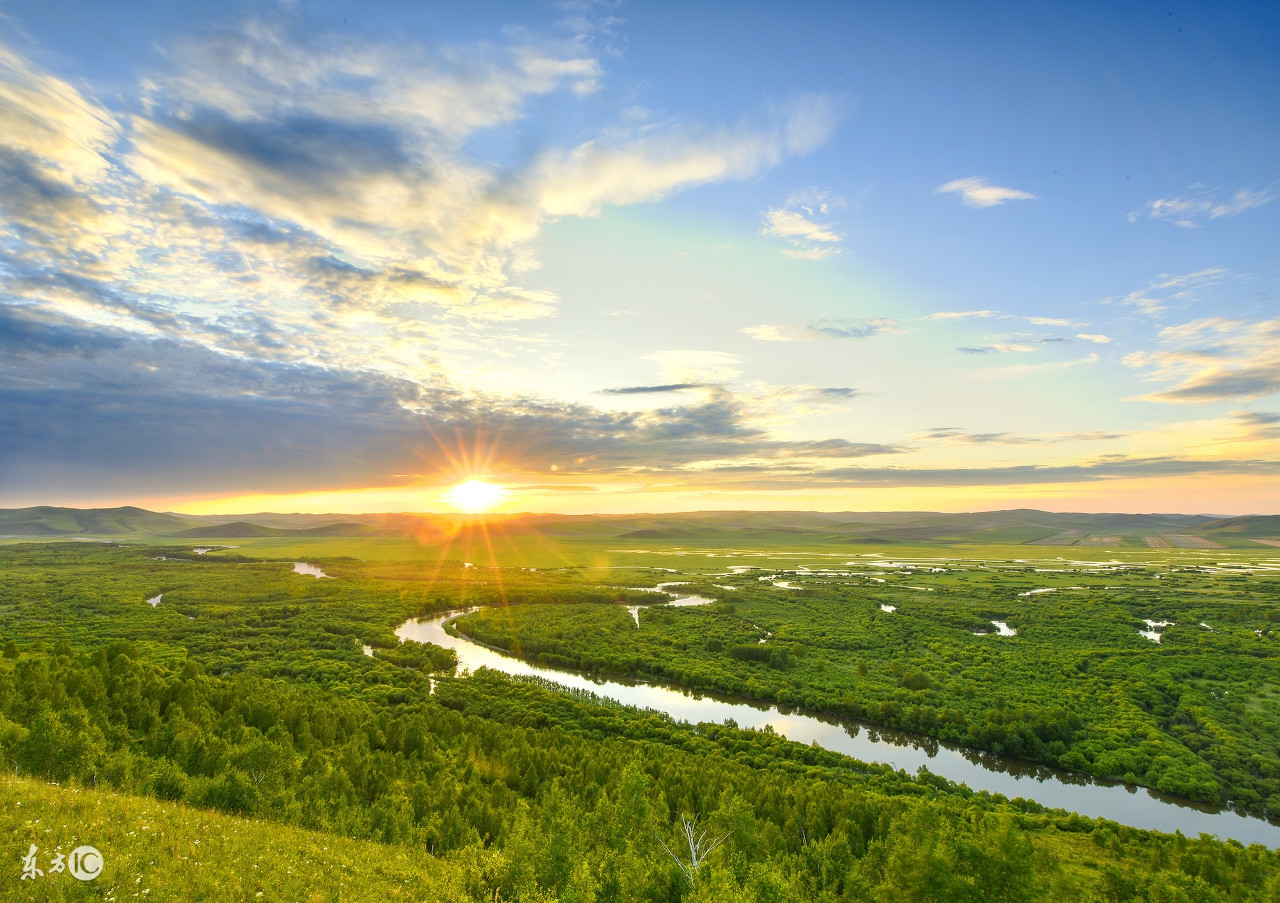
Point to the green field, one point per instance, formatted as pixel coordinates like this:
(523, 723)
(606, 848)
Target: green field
(241, 709)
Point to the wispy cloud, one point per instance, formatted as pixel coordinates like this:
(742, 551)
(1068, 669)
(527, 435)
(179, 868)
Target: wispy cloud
(852, 329)
(946, 315)
(952, 435)
(789, 224)
(767, 476)
(1258, 425)
(196, 420)
(963, 314)
(1016, 342)
(1206, 204)
(311, 197)
(1213, 359)
(363, 149)
(265, 263)
(996, 349)
(1094, 337)
(1108, 468)
(62, 134)
(653, 390)
(1024, 370)
(976, 192)
(628, 169)
(823, 329)
(794, 223)
(1051, 321)
(1165, 291)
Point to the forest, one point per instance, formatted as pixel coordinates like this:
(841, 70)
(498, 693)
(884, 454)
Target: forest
(245, 691)
(1196, 715)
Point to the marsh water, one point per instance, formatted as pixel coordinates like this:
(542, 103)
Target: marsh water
(309, 570)
(1127, 804)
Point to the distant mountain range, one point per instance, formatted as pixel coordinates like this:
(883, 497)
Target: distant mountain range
(752, 528)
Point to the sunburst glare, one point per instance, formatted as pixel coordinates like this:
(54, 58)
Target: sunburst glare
(475, 496)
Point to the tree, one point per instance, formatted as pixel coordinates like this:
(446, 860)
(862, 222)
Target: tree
(699, 847)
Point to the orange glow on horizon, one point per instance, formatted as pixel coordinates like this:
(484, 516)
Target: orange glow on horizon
(1205, 494)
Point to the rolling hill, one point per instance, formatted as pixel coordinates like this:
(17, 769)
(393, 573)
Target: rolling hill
(753, 528)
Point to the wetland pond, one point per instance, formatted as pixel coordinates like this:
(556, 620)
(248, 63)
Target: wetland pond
(310, 570)
(1054, 788)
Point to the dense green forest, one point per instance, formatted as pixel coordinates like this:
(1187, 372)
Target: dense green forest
(245, 691)
(1196, 715)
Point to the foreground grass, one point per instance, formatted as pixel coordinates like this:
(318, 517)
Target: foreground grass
(159, 851)
(156, 850)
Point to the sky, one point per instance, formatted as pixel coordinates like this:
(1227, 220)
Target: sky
(624, 257)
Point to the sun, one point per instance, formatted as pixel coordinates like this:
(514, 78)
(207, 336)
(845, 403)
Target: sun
(475, 496)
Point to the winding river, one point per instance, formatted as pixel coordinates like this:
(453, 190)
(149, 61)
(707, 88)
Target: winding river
(1127, 804)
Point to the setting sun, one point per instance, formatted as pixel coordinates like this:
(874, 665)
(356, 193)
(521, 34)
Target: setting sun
(475, 496)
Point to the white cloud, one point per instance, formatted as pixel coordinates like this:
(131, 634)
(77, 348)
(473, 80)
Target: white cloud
(815, 201)
(1050, 321)
(789, 224)
(954, 436)
(794, 223)
(768, 332)
(1165, 290)
(823, 329)
(1094, 337)
(364, 146)
(55, 128)
(963, 314)
(1204, 204)
(998, 348)
(649, 166)
(1213, 359)
(977, 192)
(317, 199)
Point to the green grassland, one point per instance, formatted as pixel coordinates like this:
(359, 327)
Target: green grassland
(242, 706)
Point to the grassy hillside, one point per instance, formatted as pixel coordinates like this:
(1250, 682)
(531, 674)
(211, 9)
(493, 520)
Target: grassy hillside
(160, 850)
(48, 521)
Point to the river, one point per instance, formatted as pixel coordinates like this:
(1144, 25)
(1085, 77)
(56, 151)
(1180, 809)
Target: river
(1127, 804)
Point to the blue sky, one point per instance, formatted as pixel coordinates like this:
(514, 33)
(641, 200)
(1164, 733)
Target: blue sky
(623, 257)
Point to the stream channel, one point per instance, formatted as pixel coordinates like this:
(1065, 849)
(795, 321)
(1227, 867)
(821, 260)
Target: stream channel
(1051, 787)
